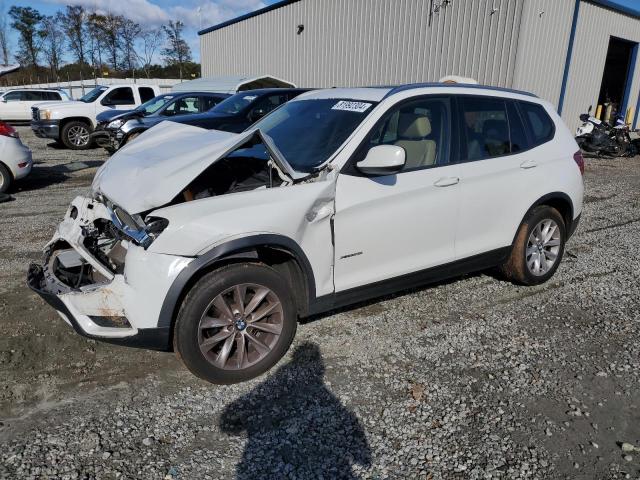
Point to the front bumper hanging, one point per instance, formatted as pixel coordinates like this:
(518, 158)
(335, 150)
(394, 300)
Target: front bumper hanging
(148, 338)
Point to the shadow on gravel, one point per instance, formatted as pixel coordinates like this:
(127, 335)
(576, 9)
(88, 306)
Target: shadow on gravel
(46, 176)
(295, 426)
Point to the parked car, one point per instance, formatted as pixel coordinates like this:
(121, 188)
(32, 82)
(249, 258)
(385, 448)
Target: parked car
(72, 122)
(113, 131)
(15, 104)
(197, 241)
(15, 157)
(239, 111)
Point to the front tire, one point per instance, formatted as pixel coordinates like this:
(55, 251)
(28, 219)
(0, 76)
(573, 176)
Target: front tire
(538, 247)
(6, 179)
(235, 323)
(75, 135)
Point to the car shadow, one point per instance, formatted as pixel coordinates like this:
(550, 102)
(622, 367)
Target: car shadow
(296, 427)
(43, 176)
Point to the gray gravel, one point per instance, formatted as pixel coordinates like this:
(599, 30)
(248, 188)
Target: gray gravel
(473, 378)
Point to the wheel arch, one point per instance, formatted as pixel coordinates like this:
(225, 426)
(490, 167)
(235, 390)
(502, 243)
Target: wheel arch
(66, 120)
(558, 200)
(280, 252)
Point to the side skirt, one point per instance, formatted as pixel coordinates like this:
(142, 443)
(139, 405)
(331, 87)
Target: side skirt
(412, 280)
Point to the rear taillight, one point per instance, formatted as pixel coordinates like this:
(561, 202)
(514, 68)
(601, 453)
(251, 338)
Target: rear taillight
(7, 130)
(579, 159)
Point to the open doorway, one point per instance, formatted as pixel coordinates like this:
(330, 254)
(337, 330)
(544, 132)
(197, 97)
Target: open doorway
(617, 77)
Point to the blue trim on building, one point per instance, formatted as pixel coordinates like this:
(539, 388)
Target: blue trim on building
(630, 74)
(567, 62)
(635, 119)
(633, 12)
(269, 8)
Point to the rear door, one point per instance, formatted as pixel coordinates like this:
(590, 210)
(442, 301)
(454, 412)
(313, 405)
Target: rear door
(497, 171)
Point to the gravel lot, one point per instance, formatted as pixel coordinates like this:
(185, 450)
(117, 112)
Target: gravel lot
(473, 378)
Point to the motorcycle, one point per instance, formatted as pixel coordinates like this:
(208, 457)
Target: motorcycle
(601, 138)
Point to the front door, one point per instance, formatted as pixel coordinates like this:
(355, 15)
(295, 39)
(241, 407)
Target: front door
(393, 225)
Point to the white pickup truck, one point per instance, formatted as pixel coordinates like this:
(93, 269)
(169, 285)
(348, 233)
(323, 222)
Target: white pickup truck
(72, 122)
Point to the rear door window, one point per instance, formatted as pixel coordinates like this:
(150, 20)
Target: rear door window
(146, 94)
(485, 127)
(52, 96)
(540, 125)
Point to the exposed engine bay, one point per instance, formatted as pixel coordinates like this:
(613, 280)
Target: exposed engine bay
(105, 232)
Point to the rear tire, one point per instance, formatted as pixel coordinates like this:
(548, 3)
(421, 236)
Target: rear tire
(538, 247)
(222, 333)
(6, 179)
(75, 135)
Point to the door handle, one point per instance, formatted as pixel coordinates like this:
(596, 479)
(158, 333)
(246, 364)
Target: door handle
(528, 164)
(447, 181)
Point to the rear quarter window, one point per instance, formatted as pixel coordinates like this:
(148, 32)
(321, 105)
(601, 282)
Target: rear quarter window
(540, 126)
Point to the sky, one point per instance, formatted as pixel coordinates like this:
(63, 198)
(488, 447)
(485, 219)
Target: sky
(195, 14)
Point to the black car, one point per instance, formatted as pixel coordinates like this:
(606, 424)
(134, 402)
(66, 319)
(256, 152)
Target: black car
(114, 129)
(242, 110)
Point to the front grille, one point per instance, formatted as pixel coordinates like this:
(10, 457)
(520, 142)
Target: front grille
(35, 114)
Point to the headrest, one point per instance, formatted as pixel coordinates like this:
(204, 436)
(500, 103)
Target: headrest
(412, 126)
(495, 128)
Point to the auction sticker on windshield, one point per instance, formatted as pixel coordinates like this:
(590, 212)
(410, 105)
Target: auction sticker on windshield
(358, 107)
(250, 97)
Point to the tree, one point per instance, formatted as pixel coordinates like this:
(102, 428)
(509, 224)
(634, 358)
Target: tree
(4, 35)
(107, 30)
(26, 21)
(73, 22)
(53, 46)
(151, 41)
(177, 51)
(95, 40)
(130, 32)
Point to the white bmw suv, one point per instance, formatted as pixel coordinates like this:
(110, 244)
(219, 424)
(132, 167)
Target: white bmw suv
(213, 244)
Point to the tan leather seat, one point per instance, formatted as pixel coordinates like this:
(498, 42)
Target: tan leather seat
(412, 130)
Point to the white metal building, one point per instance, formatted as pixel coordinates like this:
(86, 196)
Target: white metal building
(574, 53)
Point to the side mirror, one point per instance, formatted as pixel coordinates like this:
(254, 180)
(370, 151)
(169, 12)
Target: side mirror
(4, 100)
(383, 160)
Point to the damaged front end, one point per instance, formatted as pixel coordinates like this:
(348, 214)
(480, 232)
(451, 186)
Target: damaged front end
(97, 270)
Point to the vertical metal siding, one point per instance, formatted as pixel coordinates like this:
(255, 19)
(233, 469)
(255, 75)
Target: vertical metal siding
(370, 42)
(542, 47)
(595, 27)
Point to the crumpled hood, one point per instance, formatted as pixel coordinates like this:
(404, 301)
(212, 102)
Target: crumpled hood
(153, 170)
(110, 115)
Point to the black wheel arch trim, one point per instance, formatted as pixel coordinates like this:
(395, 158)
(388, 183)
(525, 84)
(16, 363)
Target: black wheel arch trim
(233, 249)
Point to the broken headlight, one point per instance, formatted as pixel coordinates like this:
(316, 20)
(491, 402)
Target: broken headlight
(116, 124)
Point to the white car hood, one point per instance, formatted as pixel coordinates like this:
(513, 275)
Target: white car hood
(62, 104)
(153, 170)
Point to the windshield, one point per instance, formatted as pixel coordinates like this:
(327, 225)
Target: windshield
(308, 132)
(155, 104)
(235, 103)
(93, 95)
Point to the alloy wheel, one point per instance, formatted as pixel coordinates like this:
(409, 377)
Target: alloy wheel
(78, 136)
(543, 247)
(240, 326)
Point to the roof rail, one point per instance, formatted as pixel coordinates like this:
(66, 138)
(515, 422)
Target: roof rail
(411, 86)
